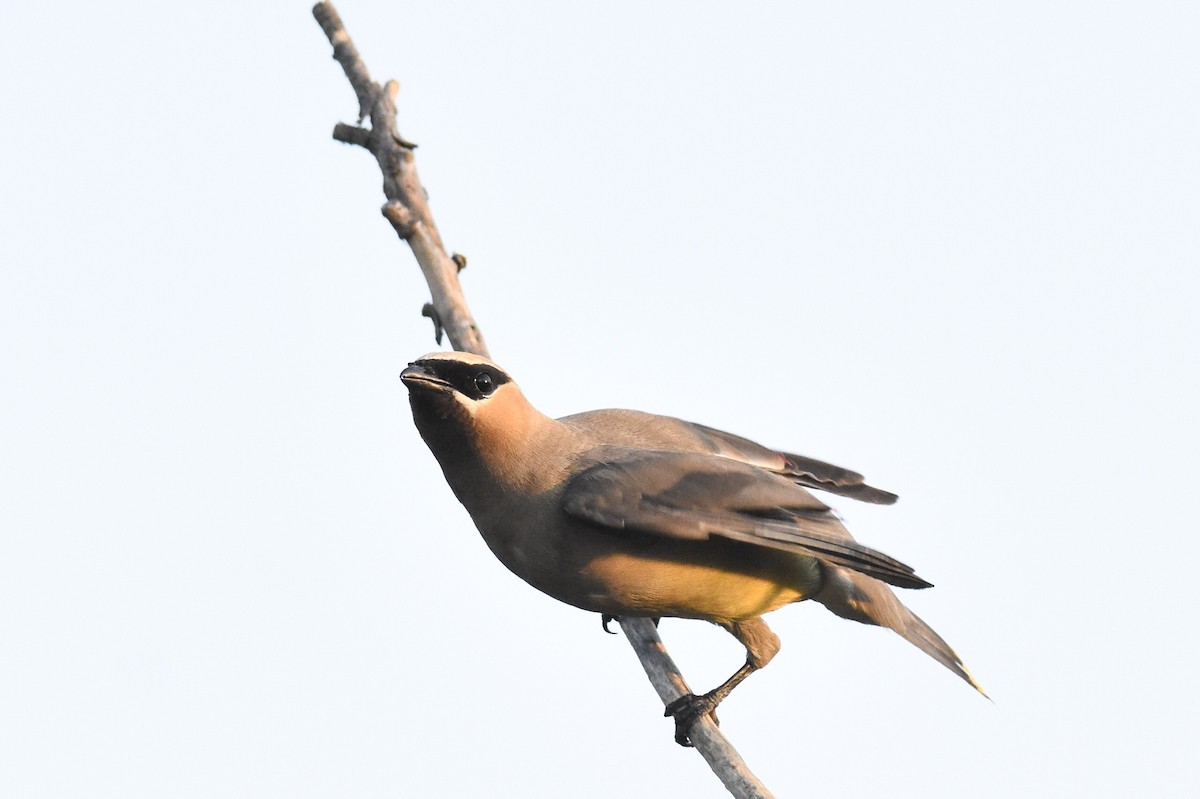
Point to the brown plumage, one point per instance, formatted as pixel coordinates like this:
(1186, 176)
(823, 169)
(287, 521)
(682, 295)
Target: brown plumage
(630, 514)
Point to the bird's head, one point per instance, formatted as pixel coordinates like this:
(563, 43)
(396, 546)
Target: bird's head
(464, 402)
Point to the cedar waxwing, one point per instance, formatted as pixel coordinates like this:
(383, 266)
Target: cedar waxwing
(625, 513)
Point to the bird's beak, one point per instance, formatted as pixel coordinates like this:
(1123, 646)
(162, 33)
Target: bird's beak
(416, 376)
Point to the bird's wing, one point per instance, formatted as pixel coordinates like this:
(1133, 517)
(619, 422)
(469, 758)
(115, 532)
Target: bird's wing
(697, 497)
(805, 471)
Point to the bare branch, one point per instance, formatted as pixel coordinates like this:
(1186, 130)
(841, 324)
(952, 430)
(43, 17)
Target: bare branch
(347, 55)
(712, 745)
(408, 211)
(407, 208)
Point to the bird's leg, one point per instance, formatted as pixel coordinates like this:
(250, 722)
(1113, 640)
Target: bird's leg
(761, 645)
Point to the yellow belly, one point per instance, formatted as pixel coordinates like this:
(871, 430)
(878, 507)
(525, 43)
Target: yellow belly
(714, 588)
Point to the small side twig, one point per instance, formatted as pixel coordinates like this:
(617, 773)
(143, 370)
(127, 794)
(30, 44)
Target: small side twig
(352, 134)
(409, 214)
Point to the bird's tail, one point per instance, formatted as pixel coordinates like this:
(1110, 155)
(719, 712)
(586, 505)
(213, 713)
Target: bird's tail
(858, 597)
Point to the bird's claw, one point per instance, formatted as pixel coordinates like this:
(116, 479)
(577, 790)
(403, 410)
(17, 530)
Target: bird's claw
(687, 710)
(605, 618)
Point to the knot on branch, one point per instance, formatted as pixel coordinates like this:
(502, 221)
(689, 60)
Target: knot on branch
(460, 260)
(401, 217)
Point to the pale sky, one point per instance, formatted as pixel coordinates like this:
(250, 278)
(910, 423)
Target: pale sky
(952, 246)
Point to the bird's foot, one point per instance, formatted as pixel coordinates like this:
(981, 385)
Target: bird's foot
(687, 710)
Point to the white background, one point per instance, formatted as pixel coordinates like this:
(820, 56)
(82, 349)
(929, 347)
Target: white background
(953, 246)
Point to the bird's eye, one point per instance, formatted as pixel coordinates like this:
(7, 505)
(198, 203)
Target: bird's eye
(483, 383)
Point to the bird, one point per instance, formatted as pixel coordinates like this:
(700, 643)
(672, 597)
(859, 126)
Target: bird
(632, 514)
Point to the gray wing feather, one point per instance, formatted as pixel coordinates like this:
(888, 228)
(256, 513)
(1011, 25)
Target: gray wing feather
(695, 497)
(805, 471)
